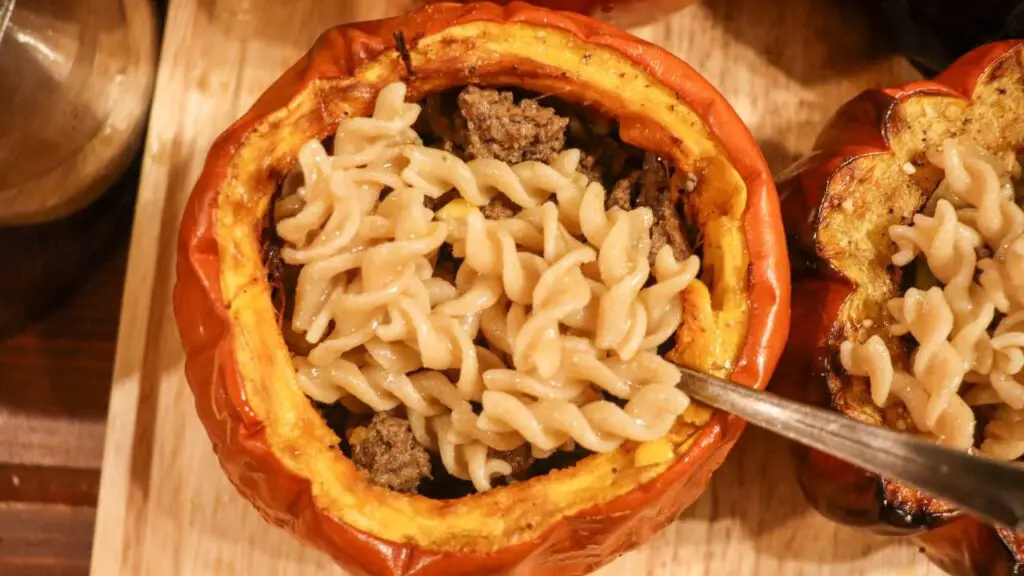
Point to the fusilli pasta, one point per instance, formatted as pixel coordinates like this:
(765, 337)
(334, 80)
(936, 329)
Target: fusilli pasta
(972, 239)
(547, 310)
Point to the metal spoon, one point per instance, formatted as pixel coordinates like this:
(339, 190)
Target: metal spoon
(987, 488)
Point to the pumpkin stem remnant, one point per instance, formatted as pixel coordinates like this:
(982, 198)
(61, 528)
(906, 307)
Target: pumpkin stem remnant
(403, 51)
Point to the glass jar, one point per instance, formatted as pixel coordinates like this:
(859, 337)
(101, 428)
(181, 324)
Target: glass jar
(76, 78)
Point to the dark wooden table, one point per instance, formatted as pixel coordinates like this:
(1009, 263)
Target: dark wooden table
(60, 297)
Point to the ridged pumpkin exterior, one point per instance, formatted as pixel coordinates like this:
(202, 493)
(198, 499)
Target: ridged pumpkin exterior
(861, 158)
(266, 434)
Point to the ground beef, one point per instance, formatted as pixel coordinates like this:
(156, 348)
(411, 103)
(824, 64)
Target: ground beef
(622, 193)
(390, 455)
(498, 127)
(604, 159)
(590, 167)
(657, 194)
(442, 125)
(500, 207)
(520, 459)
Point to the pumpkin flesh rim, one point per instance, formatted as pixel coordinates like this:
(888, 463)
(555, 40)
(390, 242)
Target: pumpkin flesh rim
(247, 295)
(485, 517)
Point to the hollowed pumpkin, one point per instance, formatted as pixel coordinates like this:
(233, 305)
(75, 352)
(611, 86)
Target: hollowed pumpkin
(276, 448)
(868, 171)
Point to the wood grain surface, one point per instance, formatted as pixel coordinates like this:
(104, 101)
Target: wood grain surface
(75, 85)
(165, 507)
(45, 540)
(62, 299)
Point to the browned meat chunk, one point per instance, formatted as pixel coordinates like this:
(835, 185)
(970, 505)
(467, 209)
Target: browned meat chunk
(441, 120)
(622, 193)
(657, 194)
(389, 454)
(497, 127)
(604, 159)
(500, 207)
(520, 459)
(590, 167)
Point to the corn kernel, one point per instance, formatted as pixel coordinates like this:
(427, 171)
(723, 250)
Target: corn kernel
(654, 452)
(681, 432)
(696, 414)
(457, 208)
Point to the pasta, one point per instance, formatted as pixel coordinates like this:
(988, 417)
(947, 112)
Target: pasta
(1004, 437)
(600, 426)
(969, 332)
(550, 312)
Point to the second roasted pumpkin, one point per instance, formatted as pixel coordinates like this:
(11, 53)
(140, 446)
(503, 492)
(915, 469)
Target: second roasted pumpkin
(901, 173)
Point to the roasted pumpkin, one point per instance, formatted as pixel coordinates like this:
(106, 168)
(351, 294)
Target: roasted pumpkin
(279, 451)
(869, 171)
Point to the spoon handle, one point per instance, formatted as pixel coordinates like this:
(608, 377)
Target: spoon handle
(987, 488)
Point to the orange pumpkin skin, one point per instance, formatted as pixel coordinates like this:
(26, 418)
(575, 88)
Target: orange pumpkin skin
(577, 543)
(862, 129)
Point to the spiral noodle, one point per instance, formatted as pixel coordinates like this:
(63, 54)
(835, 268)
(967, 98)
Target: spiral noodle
(1004, 435)
(600, 426)
(971, 237)
(548, 311)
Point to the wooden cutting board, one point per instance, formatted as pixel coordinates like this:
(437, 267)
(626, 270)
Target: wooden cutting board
(166, 509)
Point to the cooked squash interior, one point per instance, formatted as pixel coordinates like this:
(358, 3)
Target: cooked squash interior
(661, 145)
(925, 333)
